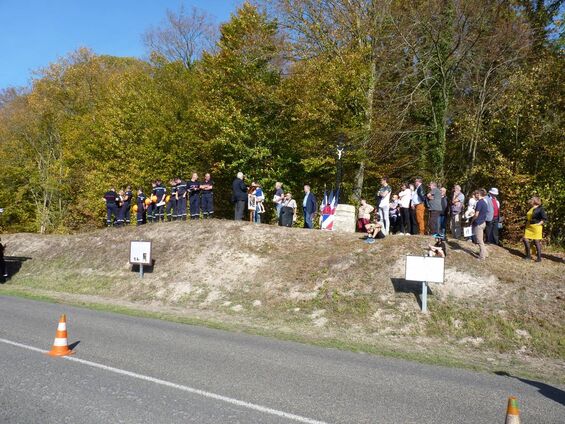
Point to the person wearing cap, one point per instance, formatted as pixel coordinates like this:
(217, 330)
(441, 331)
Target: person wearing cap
(492, 226)
(439, 248)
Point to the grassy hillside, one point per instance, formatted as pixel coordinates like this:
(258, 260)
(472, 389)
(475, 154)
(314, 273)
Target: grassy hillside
(321, 287)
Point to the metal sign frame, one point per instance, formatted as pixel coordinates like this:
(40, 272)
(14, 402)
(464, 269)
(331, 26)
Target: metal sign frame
(147, 261)
(425, 278)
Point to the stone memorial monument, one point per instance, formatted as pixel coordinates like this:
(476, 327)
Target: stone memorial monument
(344, 219)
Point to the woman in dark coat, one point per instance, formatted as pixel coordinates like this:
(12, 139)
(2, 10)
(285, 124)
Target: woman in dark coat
(288, 211)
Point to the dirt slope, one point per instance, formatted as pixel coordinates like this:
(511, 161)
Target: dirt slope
(315, 285)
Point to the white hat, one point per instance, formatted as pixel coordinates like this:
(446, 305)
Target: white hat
(494, 191)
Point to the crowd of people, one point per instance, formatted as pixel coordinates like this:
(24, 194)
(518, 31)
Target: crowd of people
(182, 197)
(286, 208)
(413, 209)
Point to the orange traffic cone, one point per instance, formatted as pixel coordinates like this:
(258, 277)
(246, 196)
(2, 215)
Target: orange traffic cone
(61, 345)
(512, 412)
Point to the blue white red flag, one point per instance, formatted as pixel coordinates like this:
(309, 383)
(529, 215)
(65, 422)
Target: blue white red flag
(328, 211)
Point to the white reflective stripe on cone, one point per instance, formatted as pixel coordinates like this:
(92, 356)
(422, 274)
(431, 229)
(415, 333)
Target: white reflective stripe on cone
(60, 342)
(62, 326)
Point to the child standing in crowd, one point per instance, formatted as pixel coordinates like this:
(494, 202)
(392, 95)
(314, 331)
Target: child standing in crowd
(394, 212)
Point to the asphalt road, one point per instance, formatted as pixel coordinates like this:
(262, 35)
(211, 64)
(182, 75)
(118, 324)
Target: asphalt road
(134, 370)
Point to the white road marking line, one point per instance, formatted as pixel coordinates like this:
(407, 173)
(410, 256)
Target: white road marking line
(188, 389)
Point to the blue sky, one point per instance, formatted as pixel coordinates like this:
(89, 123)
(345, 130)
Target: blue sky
(34, 33)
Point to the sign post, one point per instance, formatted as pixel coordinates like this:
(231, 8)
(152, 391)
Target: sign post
(140, 254)
(427, 269)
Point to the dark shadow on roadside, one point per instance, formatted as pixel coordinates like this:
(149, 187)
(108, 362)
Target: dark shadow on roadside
(73, 345)
(147, 269)
(13, 266)
(401, 285)
(550, 392)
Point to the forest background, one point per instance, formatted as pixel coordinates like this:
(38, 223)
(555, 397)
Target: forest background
(462, 92)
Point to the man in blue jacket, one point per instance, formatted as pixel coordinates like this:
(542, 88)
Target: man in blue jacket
(309, 207)
(239, 196)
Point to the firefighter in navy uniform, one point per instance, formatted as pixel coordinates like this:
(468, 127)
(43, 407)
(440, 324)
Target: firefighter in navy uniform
(171, 210)
(128, 196)
(151, 208)
(141, 207)
(111, 198)
(193, 188)
(160, 191)
(181, 199)
(207, 200)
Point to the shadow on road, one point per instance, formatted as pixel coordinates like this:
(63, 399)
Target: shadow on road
(401, 285)
(546, 390)
(73, 345)
(13, 266)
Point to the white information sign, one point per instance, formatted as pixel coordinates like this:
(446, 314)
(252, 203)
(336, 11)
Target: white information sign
(140, 252)
(468, 231)
(425, 268)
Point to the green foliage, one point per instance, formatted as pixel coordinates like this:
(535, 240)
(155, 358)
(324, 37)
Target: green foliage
(459, 91)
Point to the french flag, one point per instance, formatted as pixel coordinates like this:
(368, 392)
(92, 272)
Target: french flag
(328, 210)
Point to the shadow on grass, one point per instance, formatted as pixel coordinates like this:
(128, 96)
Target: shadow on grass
(550, 392)
(13, 266)
(457, 246)
(147, 269)
(401, 285)
(521, 254)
